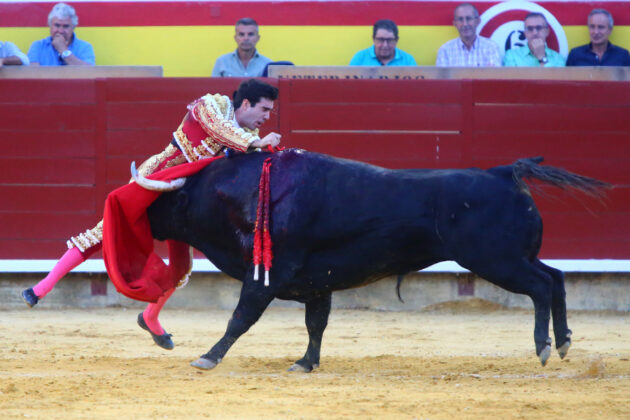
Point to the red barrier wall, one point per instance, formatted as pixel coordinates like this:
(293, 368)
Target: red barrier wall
(67, 143)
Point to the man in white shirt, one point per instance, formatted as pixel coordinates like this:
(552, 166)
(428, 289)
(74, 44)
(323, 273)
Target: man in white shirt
(10, 55)
(470, 49)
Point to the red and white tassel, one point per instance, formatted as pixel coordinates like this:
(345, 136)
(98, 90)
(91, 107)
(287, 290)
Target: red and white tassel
(266, 239)
(262, 238)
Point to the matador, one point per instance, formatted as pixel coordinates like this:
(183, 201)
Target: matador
(212, 124)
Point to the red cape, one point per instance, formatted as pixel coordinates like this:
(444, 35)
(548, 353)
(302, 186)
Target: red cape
(132, 265)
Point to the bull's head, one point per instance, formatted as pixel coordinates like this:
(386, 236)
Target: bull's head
(154, 185)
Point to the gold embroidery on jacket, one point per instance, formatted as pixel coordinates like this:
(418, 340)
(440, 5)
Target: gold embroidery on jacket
(215, 115)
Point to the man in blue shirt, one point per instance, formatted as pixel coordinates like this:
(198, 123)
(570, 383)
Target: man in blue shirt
(599, 52)
(62, 47)
(245, 61)
(384, 51)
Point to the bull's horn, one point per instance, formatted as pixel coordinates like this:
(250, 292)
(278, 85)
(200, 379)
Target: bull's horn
(153, 185)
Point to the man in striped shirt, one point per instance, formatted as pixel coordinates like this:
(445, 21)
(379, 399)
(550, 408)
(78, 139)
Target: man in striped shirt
(470, 49)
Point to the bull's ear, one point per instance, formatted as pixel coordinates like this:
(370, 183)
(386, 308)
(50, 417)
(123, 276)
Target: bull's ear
(181, 201)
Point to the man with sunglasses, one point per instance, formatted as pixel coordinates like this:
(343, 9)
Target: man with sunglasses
(470, 49)
(536, 52)
(384, 51)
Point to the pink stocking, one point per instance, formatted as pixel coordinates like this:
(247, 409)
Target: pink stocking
(152, 312)
(72, 258)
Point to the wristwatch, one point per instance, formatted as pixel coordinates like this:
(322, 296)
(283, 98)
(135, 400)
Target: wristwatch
(543, 60)
(66, 54)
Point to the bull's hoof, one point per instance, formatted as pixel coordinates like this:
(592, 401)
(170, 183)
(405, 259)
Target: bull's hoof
(543, 350)
(204, 364)
(30, 298)
(163, 340)
(300, 368)
(564, 349)
(544, 355)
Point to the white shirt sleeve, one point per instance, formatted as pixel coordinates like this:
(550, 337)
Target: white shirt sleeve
(9, 49)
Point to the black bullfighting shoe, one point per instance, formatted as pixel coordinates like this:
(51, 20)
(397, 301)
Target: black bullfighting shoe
(30, 298)
(163, 340)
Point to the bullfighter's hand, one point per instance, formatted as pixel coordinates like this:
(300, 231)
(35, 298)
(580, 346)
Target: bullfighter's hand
(271, 139)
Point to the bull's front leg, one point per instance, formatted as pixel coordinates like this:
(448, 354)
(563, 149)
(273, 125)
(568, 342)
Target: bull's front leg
(317, 311)
(252, 303)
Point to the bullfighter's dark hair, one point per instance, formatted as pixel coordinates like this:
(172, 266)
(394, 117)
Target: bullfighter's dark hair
(386, 24)
(253, 90)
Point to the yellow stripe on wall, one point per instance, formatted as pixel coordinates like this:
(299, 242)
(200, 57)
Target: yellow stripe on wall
(190, 51)
(578, 35)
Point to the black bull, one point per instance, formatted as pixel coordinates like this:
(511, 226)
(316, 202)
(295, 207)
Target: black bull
(338, 224)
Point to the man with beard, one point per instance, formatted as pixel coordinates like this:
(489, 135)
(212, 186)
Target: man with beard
(245, 61)
(470, 49)
(384, 51)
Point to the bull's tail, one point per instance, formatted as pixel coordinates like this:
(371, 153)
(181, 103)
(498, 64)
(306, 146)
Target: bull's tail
(558, 177)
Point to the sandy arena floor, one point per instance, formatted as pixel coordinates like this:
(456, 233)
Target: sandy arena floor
(458, 361)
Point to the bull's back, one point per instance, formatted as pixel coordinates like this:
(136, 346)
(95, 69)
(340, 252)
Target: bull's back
(345, 197)
(484, 215)
(358, 222)
(341, 222)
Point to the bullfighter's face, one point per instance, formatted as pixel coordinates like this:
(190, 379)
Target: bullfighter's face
(255, 116)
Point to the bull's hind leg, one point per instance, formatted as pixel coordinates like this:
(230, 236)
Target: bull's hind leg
(523, 277)
(252, 303)
(561, 330)
(317, 311)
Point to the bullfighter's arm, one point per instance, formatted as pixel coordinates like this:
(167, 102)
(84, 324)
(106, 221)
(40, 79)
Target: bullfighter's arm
(215, 115)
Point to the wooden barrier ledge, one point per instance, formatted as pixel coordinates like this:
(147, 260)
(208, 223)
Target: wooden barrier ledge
(78, 72)
(430, 72)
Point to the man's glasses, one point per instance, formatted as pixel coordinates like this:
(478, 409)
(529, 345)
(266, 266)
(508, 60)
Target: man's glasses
(466, 19)
(537, 28)
(385, 40)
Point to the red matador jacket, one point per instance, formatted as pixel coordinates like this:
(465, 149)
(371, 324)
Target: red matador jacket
(206, 130)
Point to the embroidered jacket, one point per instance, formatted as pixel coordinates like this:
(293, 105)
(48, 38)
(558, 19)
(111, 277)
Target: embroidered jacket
(207, 129)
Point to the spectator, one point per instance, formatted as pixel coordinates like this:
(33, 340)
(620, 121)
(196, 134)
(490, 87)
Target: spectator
(10, 55)
(62, 47)
(470, 49)
(384, 51)
(245, 61)
(599, 52)
(536, 52)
